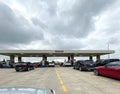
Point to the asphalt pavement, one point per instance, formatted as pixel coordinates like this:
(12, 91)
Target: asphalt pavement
(64, 80)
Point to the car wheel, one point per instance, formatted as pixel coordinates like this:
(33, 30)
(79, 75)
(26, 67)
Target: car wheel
(96, 72)
(80, 68)
(17, 70)
(27, 69)
(88, 69)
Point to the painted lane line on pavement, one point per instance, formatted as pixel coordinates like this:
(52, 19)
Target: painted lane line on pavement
(103, 79)
(61, 82)
(64, 88)
(115, 83)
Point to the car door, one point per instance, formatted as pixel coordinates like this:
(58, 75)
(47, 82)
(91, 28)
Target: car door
(104, 70)
(112, 70)
(115, 72)
(109, 71)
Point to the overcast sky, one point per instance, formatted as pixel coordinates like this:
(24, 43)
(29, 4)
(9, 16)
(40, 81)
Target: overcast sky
(60, 24)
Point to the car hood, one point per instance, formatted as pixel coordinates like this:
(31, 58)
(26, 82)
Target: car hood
(25, 90)
(99, 67)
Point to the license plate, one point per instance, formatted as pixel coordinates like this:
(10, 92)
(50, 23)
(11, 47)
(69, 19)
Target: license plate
(20, 67)
(91, 64)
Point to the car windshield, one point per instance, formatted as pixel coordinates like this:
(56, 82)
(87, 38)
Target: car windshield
(88, 61)
(21, 90)
(114, 64)
(104, 61)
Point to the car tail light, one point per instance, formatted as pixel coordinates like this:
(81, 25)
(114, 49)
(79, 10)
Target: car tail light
(24, 65)
(84, 64)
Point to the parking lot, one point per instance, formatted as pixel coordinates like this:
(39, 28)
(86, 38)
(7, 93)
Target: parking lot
(64, 80)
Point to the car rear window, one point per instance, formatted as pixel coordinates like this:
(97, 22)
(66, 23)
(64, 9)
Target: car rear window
(89, 61)
(105, 61)
(112, 60)
(114, 64)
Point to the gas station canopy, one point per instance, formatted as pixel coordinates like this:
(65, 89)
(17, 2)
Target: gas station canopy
(56, 53)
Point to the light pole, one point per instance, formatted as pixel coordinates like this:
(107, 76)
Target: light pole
(108, 50)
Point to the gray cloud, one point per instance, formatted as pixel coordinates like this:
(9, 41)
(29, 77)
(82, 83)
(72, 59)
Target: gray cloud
(114, 41)
(40, 5)
(61, 42)
(78, 21)
(52, 6)
(56, 26)
(36, 22)
(15, 29)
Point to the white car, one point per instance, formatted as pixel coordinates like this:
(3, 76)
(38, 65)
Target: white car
(51, 64)
(66, 64)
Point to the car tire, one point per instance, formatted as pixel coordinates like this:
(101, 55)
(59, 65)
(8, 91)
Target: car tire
(27, 69)
(88, 69)
(96, 72)
(80, 68)
(17, 70)
(33, 68)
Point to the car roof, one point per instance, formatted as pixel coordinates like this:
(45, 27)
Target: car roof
(111, 59)
(116, 62)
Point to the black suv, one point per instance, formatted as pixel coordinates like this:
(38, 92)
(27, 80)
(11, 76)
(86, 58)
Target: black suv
(76, 65)
(24, 66)
(84, 65)
(103, 62)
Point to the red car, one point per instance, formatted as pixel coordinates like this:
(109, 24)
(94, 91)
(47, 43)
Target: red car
(36, 64)
(111, 70)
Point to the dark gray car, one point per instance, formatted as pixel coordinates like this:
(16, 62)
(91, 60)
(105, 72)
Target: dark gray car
(84, 65)
(25, 90)
(103, 62)
(24, 66)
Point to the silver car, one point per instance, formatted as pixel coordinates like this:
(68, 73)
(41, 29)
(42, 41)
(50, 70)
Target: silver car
(25, 90)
